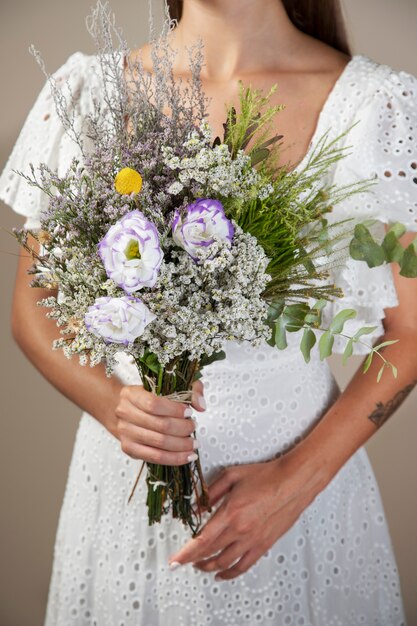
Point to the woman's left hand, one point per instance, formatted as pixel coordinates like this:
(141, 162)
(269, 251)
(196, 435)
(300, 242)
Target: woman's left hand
(261, 502)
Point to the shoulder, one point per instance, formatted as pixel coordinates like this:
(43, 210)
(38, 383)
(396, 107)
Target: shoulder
(80, 76)
(372, 82)
(379, 105)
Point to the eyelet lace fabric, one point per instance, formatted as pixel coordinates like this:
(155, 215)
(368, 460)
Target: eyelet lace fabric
(335, 566)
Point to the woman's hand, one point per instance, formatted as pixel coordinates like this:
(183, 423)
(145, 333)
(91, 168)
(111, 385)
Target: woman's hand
(261, 502)
(156, 429)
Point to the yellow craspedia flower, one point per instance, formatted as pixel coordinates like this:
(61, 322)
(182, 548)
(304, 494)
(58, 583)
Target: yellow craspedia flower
(128, 181)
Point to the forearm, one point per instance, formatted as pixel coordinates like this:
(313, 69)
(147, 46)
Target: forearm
(87, 387)
(360, 410)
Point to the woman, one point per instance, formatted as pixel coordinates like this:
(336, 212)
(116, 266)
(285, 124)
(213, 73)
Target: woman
(298, 535)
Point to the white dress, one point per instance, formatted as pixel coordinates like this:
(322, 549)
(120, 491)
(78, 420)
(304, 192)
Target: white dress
(335, 566)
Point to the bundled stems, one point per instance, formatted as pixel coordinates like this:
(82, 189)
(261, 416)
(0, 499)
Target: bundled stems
(171, 488)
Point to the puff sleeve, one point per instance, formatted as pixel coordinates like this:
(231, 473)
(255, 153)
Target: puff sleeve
(44, 139)
(383, 146)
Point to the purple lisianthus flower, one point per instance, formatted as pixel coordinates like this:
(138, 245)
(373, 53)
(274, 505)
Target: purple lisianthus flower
(196, 227)
(118, 320)
(131, 252)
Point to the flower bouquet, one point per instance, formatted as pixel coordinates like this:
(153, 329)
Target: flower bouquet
(163, 242)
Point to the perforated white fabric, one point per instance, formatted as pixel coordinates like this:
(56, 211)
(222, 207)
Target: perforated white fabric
(335, 566)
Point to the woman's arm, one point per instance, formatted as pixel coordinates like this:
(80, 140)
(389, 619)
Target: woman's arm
(87, 387)
(262, 501)
(148, 427)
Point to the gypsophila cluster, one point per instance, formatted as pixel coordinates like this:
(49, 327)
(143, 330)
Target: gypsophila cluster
(203, 170)
(200, 305)
(197, 305)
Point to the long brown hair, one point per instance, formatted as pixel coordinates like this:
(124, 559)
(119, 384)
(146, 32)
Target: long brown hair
(322, 20)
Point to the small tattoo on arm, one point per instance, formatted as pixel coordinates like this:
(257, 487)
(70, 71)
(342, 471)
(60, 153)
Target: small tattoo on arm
(383, 411)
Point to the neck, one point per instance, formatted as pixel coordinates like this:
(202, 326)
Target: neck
(239, 36)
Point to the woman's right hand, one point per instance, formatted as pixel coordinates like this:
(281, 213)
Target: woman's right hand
(156, 429)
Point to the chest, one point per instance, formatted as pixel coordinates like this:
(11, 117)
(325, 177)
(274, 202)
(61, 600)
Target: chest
(302, 96)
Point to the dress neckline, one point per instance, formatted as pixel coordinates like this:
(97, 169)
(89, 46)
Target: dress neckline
(322, 114)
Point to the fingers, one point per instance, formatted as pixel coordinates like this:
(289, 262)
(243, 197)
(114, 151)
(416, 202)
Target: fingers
(197, 401)
(156, 455)
(154, 439)
(153, 404)
(218, 488)
(221, 561)
(210, 539)
(176, 426)
(242, 566)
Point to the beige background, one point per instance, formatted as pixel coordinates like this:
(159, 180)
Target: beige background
(38, 425)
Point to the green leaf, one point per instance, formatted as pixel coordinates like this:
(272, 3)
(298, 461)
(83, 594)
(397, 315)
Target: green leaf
(307, 342)
(364, 248)
(365, 330)
(258, 155)
(394, 370)
(368, 362)
(271, 141)
(326, 342)
(280, 335)
(409, 262)
(339, 320)
(216, 356)
(314, 315)
(294, 316)
(151, 361)
(392, 248)
(274, 310)
(381, 371)
(385, 343)
(348, 351)
(398, 229)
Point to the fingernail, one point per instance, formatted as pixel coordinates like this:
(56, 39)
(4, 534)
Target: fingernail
(174, 565)
(192, 457)
(195, 444)
(202, 402)
(188, 412)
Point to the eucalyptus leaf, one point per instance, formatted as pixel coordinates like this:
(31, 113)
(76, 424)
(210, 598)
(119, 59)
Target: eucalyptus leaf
(336, 325)
(386, 343)
(368, 362)
(274, 310)
(294, 316)
(365, 330)
(381, 371)
(409, 262)
(394, 252)
(326, 342)
(280, 334)
(307, 342)
(397, 229)
(363, 247)
(348, 351)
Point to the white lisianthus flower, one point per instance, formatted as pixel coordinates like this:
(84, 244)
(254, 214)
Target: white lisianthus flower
(118, 320)
(196, 226)
(131, 252)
